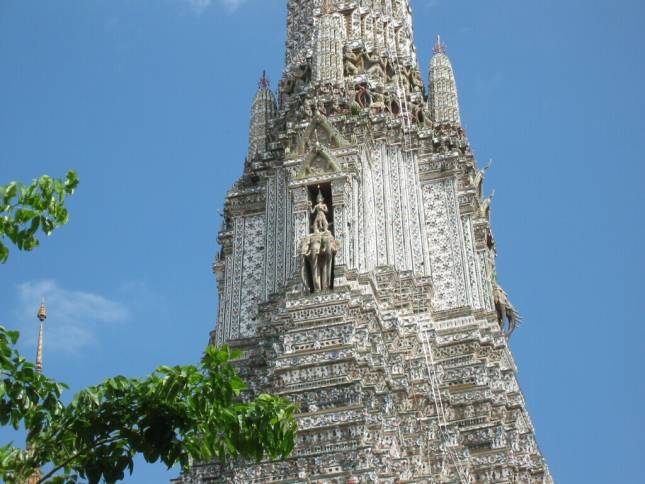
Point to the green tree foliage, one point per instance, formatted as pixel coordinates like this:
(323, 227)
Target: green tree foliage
(176, 415)
(24, 209)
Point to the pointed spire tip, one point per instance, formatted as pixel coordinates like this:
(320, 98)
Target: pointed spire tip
(264, 81)
(440, 47)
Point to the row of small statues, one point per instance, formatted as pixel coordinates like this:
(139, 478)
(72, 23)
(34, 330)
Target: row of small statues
(357, 62)
(376, 98)
(360, 61)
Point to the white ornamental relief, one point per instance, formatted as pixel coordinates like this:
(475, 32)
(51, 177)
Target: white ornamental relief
(271, 217)
(379, 206)
(281, 235)
(359, 237)
(445, 244)
(251, 290)
(414, 215)
(389, 213)
(474, 279)
(486, 278)
(368, 208)
(395, 213)
(233, 314)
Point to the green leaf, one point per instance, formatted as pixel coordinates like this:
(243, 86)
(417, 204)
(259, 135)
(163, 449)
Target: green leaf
(35, 223)
(71, 182)
(47, 225)
(39, 205)
(10, 191)
(13, 336)
(25, 215)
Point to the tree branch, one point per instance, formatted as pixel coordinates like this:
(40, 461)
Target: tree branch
(75, 456)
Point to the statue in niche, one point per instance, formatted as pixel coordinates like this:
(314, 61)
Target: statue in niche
(317, 250)
(320, 209)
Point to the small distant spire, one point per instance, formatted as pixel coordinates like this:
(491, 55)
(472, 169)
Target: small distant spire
(264, 81)
(440, 47)
(263, 111)
(442, 97)
(42, 315)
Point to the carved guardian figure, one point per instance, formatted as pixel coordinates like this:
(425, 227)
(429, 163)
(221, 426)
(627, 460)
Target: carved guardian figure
(317, 250)
(320, 210)
(506, 312)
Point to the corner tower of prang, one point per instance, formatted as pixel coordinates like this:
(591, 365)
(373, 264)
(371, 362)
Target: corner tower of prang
(357, 267)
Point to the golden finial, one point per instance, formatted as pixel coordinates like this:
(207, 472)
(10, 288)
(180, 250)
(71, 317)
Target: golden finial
(439, 48)
(42, 311)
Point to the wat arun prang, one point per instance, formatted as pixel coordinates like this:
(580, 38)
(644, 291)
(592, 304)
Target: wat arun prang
(357, 269)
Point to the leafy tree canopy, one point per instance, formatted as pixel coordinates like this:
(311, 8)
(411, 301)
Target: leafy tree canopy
(24, 209)
(177, 415)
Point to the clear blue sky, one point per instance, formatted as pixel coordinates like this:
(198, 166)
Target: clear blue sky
(149, 102)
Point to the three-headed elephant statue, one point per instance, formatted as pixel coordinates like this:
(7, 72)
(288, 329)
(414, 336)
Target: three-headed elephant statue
(317, 253)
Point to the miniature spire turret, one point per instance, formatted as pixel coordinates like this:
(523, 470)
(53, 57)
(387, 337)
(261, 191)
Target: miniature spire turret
(263, 111)
(443, 100)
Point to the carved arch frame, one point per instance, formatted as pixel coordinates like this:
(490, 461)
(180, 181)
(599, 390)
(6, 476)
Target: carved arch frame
(319, 152)
(336, 139)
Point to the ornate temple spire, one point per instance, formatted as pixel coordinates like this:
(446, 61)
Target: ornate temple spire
(42, 315)
(263, 111)
(357, 268)
(443, 100)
